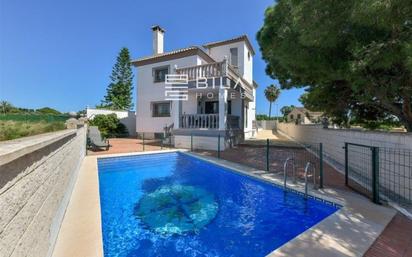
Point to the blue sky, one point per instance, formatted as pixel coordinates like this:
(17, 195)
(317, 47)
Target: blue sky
(60, 53)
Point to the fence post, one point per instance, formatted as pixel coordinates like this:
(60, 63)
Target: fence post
(346, 165)
(161, 141)
(143, 140)
(375, 174)
(191, 142)
(218, 146)
(321, 165)
(267, 155)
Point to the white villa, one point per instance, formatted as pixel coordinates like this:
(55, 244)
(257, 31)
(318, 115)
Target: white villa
(217, 96)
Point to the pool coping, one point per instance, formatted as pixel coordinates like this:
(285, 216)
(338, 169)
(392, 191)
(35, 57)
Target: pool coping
(350, 231)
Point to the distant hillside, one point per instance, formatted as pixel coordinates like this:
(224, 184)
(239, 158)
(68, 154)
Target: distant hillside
(8, 108)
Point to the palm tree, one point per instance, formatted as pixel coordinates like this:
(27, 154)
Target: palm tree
(272, 93)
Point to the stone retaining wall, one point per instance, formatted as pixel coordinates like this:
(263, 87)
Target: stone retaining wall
(37, 175)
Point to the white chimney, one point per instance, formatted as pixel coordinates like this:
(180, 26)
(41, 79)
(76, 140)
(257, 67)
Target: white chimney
(158, 35)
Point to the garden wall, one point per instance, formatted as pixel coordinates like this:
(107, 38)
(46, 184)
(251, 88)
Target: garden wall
(266, 124)
(127, 118)
(395, 155)
(334, 139)
(37, 175)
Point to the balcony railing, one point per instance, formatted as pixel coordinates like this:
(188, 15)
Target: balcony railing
(216, 69)
(198, 121)
(207, 121)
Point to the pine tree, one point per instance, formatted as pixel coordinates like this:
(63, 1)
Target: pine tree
(120, 90)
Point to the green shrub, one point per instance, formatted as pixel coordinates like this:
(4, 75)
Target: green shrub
(109, 125)
(265, 117)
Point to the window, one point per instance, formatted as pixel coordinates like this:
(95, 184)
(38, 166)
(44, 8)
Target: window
(246, 114)
(234, 57)
(248, 55)
(159, 74)
(229, 107)
(211, 107)
(299, 116)
(161, 109)
(291, 116)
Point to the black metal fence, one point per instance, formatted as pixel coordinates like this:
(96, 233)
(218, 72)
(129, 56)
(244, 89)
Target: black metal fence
(379, 173)
(266, 155)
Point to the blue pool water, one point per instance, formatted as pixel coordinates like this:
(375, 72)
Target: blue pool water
(173, 204)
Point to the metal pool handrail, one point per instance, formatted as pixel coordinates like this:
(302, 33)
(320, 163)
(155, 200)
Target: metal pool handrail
(308, 165)
(285, 165)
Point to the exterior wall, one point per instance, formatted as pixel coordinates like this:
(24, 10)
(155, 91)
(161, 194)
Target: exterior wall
(395, 171)
(246, 70)
(128, 118)
(248, 65)
(190, 106)
(36, 181)
(249, 131)
(267, 124)
(148, 92)
(334, 139)
(218, 53)
(199, 142)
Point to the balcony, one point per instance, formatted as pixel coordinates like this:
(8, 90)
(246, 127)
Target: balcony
(218, 70)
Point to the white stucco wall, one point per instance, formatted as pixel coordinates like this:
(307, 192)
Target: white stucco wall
(249, 131)
(148, 92)
(128, 118)
(246, 70)
(245, 64)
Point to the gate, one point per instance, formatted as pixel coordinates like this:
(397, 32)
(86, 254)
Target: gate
(362, 169)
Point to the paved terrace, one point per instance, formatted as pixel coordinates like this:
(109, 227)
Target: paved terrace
(396, 239)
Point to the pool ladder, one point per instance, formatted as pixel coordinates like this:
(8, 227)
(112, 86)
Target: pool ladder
(285, 166)
(308, 165)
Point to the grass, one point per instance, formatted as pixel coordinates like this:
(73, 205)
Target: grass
(16, 129)
(32, 117)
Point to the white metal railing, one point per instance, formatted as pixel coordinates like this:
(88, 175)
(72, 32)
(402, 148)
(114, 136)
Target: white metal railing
(285, 166)
(196, 121)
(308, 165)
(216, 69)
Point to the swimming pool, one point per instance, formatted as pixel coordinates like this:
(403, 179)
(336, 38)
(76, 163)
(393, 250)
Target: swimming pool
(173, 204)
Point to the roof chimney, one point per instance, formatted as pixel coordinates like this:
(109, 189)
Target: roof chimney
(158, 34)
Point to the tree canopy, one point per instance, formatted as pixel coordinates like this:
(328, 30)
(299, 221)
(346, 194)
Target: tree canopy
(48, 111)
(354, 57)
(119, 93)
(285, 110)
